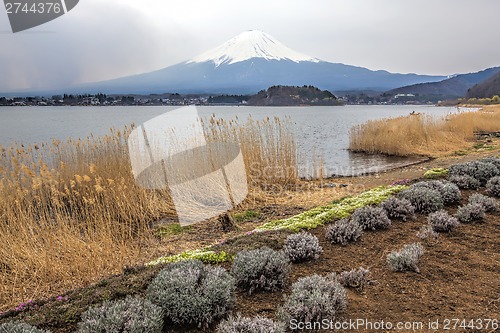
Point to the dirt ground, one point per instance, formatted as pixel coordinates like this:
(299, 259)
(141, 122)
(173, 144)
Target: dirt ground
(459, 273)
(301, 197)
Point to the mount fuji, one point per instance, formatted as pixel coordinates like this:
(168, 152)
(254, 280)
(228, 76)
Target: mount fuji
(250, 62)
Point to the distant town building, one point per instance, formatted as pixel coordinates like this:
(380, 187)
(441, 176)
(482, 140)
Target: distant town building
(404, 95)
(90, 101)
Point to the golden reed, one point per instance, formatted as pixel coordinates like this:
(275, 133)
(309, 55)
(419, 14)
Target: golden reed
(71, 213)
(423, 134)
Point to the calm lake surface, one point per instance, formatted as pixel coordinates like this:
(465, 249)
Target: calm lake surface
(320, 131)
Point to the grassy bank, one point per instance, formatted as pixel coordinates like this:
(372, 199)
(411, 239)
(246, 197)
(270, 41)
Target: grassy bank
(71, 213)
(423, 134)
(449, 266)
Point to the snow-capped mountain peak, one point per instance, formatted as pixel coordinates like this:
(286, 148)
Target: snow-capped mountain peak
(260, 61)
(250, 44)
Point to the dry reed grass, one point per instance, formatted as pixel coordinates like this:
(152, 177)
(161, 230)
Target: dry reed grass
(423, 134)
(268, 146)
(71, 213)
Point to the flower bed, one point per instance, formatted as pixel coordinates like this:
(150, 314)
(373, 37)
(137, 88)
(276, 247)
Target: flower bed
(308, 220)
(335, 211)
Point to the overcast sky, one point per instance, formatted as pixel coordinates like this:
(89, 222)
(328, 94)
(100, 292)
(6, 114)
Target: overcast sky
(104, 39)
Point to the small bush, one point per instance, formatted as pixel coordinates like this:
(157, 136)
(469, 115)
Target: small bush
(372, 218)
(191, 293)
(250, 325)
(441, 221)
(465, 182)
(426, 232)
(431, 184)
(302, 246)
(261, 269)
(205, 256)
(398, 209)
(343, 232)
(425, 200)
(435, 173)
(492, 160)
(493, 186)
(19, 327)
(406, 259)
(470, 213)
(313, 299)
(131, 315)
(356, 278)
(450, 193)
(482, 171)
(489, 204)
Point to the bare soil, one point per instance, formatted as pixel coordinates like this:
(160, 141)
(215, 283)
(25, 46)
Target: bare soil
(459, 275)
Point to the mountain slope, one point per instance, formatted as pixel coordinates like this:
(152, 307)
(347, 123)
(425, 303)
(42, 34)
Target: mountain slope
(486, 89)
(454, 87)
(250, 44)
(254, 75)
(250, 62)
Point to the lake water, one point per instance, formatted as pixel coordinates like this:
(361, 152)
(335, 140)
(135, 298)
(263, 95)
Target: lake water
(320, 131)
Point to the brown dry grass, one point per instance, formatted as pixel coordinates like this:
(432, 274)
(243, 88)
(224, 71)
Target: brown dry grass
(268, 147)
(71, 213)
(423, 134)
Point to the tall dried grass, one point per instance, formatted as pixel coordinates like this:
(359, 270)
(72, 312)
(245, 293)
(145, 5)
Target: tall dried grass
(268, 146)
(71, 212)
(422, 134)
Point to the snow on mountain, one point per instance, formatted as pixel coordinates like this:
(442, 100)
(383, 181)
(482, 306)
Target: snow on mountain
(248, 63)
(251, 44)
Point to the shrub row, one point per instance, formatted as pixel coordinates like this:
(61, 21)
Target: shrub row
(482, 170)
(334, 211)
(188, 292)
(364, 218)
(423, 197)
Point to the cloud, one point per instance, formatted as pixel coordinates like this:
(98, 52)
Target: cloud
(104, 39)
(97, 40)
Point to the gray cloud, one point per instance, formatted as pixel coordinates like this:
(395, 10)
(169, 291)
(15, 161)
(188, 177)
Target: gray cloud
(103, 39)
